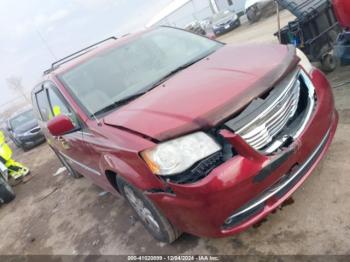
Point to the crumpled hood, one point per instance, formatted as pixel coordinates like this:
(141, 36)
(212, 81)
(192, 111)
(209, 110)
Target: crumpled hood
(206, 93)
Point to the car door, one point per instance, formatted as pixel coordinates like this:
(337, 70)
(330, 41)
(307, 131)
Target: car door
(71, 146)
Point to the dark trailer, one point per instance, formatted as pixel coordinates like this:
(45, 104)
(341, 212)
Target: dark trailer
(314, 30)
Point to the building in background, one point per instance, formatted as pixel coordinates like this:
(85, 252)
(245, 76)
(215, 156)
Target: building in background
(180, 13)
(237, 6)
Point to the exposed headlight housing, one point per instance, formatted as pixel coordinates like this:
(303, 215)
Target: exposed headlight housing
(304, 61)
(177, 155)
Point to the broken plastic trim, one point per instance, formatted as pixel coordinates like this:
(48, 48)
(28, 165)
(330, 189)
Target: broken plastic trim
(266, 105)
(277, 190)
(205, 166)
(308, 113)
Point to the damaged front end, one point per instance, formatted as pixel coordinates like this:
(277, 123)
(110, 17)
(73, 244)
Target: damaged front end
(278, 118)
(268, 126)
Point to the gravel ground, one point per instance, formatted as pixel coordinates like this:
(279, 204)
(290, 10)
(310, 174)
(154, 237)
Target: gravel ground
(60, 215)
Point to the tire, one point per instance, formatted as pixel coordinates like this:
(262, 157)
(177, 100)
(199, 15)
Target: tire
(25, 148)
(70, 170)
(149, 215)
(253, 15)
(333, 35)
(329, 63)
(6, 192)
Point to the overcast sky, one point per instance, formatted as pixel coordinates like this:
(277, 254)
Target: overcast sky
(66, 26)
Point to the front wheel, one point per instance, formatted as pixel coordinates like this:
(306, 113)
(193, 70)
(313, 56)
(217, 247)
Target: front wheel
(155, 223)
(328, 63)
(6, 192)
(239, 23)
(253, 15)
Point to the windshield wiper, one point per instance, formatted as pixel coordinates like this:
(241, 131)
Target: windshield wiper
(178, 69)
(117, 104)
(155, 84)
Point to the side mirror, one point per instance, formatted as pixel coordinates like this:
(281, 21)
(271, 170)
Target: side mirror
(9, 129)
(60, 125)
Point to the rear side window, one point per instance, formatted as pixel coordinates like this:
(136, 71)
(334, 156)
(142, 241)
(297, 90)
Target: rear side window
(43, 105)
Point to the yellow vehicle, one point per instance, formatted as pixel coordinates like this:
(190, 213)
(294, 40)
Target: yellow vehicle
(15, 170)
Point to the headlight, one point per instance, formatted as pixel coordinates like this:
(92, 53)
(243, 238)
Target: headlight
(304, 61)
(177, 155)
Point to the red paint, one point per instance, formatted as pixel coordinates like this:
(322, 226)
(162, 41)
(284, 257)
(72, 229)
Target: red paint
(342, 10)
(199, 97)
(60, 125)
(220, 85)
(201, 208)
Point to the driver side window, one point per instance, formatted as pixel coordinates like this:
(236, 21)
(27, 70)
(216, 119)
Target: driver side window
(57, 104)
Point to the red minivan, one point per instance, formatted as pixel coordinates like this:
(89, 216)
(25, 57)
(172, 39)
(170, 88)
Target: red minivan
(198, 136)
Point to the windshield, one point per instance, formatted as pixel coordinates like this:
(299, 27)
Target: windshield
(134, 67)
(221, 15)
(22, 119)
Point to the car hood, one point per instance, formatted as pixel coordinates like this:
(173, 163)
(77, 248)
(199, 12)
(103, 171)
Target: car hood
(26, 126)
(206, 93)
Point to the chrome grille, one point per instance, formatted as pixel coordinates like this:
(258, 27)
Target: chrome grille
(261, 131)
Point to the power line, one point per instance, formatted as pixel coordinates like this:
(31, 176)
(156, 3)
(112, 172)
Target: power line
(46, 44)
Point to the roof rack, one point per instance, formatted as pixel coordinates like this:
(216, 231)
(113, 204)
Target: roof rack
(81, 52)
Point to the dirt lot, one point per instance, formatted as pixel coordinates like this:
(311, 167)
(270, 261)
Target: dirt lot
(60, 215)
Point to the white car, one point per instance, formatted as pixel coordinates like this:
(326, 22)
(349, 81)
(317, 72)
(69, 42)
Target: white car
(254, 8)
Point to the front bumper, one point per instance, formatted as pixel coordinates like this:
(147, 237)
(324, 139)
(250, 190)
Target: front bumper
(32, 139)
(230, 191)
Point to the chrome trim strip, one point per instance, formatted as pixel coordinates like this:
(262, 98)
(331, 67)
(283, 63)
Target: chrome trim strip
(81, 165)
(311, 106)
(270, 107)
(311, 89)
(263, 129)
(276, 190)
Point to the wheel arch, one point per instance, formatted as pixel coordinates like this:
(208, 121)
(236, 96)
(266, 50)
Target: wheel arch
(114, 167)
(112, 179)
